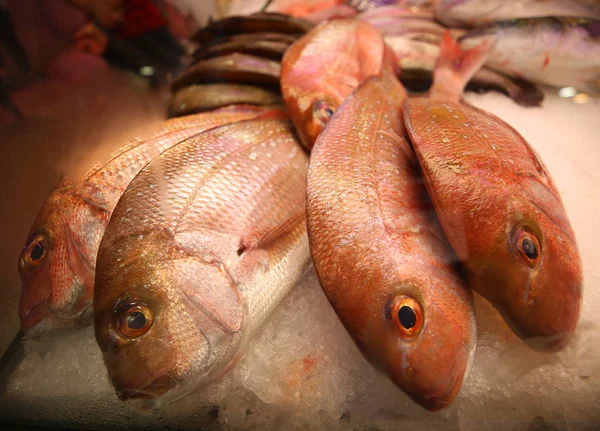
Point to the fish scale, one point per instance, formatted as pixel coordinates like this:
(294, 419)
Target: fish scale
(213, 231)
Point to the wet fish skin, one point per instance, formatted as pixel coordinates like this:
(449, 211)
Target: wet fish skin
(498, 206)
(322, 68)
(480, 12)
(204, 97)
(236, 67)
(208, 239)
(417, 60)
(57, 287)
(554, 51)
(260, 48)
(375, 248)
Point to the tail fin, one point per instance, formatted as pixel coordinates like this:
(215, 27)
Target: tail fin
(455, 67)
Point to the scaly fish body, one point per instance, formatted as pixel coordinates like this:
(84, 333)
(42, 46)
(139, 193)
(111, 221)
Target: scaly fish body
(499, 207)
(322, 68)
(58, 262)
(480, 12)
(382, 261)
(553, 51)
(202, 246)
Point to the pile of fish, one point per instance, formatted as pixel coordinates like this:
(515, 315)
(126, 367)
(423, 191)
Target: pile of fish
(184, 242)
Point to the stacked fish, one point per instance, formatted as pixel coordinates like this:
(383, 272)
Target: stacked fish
(183, 243)
(238, 62)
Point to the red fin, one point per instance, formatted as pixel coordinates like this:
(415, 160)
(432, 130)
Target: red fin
(253, 242)
(455, 67)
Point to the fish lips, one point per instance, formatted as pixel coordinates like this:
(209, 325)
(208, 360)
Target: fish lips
(151, 391)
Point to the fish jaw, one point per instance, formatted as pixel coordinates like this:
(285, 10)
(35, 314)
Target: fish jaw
(491, 191)
(188, 343)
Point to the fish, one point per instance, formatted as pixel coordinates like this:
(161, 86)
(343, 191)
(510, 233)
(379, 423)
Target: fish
(559, 52)
(255, 23)
(202, 246)
(380, 256)
(322, 68)
(58, 262)
(417, 60)
(205, 97)
(271, 49)
(498, 206)
(474, 13)
(236, 67)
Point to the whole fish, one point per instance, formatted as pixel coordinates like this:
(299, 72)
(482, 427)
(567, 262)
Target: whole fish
(382, 261)
(205, 97)
(553, 51)
(58, 262)
(479, 12)
(255, 23)
(497, 205)
(202, 246)
(322, 68)
(236, 67)
(417, 60)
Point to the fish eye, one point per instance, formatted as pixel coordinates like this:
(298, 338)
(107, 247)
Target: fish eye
(35, 251)
(323, 111)
(528, 246)
(133, 319)
(408, 315)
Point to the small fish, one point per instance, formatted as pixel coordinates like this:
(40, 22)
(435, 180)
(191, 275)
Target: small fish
(271, 49)
(255, 23)
(236, 67)
(381, 259)
(475, 13)
(497, 204)
(417, 59)
(322, 68)
(559, 52)
(202, 246)
(206, 97)
(58, 262)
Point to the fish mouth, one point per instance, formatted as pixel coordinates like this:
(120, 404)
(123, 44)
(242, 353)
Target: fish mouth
(31, 316)
(149, 392)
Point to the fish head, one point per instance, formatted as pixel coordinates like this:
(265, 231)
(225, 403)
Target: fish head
(532, 272)
(166, 322)
(424, 337)
(56, 266)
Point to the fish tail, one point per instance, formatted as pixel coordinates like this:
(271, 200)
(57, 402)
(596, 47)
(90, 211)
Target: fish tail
(455, 67)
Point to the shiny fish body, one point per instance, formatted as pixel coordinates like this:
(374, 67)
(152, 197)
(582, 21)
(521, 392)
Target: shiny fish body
(553, 51)
(57, 287)
(375, 248)
(206, 241)
(498, 206)
(322, 68)
(479, 12)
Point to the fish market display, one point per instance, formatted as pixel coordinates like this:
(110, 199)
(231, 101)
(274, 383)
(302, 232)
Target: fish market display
(206, 97)
(58, 262)
(498, 205)
(382, 261)
(478, 12)
(554, 51)
(202, 246)
(321, 69)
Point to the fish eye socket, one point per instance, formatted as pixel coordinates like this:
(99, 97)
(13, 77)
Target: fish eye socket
(35, 251)
(133, 319)
(408, 315)
(323, 111)
(528, 247)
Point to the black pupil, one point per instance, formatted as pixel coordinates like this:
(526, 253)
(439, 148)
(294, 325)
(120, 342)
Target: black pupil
(530, 249)
(136, 320)
(37, 252)
(407, 316)
(328, 112)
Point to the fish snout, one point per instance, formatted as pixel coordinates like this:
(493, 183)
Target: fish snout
(151, 391)
(32, 311)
